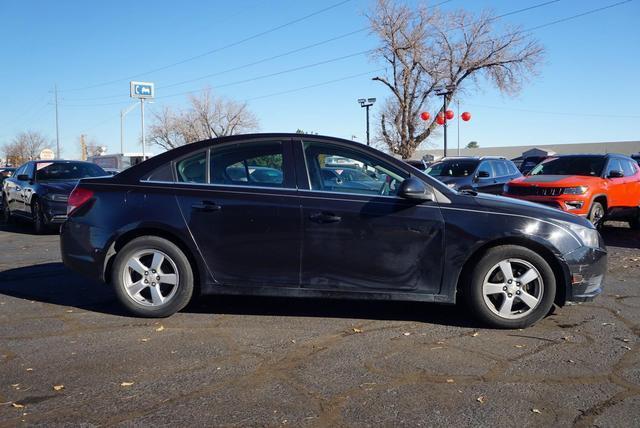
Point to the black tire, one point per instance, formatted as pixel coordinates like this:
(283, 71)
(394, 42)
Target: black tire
(40, 224)
(6, 212)
(597, 214)
(634, 223)
(182, 295)
(475, 298)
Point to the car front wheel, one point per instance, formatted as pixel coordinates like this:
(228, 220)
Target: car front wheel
(152, 277)
(37, 216)
(511, 287)
(596, 215)
(6, 212)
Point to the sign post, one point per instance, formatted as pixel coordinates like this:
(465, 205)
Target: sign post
(142, 91)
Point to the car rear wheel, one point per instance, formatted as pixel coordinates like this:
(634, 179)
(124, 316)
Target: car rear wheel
(152, 277)
(596, 214)
(511, 287)
(634, 223)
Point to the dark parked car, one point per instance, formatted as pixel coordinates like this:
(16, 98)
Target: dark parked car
(343, 179)
(636, 158)
(530, 162)
(38, 190)
(180, 224)
(481, 174)
(419, 164)
(5, 172)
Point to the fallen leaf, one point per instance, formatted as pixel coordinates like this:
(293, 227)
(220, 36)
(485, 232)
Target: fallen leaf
(406, 333)
(69, 311)
(536, 411)
(58, 387)
(566, 338)
(570, 361)
(17, 405)
(450, 381)
(144, 340)
(626, 340)
(29, 369)
(481, 399)
(160, 328)
(475, 334)
(15, 384)
(126, 383)
(518, 346)
(356, 330)
(608, 323)
(627, 348)
(293, 341)
(436, 347)
(440, 342)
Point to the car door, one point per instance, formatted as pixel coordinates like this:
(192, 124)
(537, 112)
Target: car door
(22, 191)
(247, 230)
(9, 188)
(356, 240)
(632, 183)
(485, 177)
(616, 189)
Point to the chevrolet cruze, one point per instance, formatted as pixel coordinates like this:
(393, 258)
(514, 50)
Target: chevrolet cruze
(197, 219)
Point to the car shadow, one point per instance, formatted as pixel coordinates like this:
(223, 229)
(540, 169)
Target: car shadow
(620, 235)
(53, 283)
(25, 228)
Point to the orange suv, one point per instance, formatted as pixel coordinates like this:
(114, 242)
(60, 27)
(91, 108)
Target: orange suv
(598, 187)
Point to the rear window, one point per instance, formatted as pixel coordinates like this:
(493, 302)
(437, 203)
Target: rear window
(453, 168)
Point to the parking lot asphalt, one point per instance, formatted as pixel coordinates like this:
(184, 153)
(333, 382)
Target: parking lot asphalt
(69, 355)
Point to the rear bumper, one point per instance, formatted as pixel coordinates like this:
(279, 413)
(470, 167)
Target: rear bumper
(587, 269)
(83, 249)
(55, 212)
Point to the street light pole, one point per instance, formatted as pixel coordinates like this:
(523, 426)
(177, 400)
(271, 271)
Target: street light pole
(367, 103)
(142, 116)
(55, 90)
(123, 113)
(458, 109)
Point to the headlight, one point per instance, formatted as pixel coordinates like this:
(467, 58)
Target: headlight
(580, 190)
(588, 236)
(56, 197)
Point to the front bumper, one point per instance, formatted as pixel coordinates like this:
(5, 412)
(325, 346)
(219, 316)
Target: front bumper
(587, 270)
(574, 204)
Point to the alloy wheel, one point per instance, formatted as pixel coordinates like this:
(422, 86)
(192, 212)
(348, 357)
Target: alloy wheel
(151, 278)
(512, 288)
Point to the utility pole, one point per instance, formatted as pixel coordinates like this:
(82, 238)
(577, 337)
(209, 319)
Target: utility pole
(55, 92)
(83, 148)
(367, 103)
(445, 91)
(458, 109)
(142, 116)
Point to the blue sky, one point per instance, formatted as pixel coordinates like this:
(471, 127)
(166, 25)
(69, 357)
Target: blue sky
(587, 90)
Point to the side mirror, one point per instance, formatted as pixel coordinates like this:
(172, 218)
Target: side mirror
(412, 188)
(615, 174)
(483, 174)
(23, 177)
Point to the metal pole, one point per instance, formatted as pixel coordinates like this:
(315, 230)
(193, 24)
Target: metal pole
(368, 125)
(445, 124)
(55, 91)
(121, 131)
(142, 116)
(458, 108)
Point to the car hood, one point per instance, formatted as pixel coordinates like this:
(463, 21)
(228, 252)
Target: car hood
(556, 180)
(504, 204)
(63, 187)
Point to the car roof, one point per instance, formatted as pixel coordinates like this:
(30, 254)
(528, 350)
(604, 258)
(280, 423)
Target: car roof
(478, 158)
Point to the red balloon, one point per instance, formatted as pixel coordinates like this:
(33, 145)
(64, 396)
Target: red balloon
(440, 119)
(449, 114)
(425, 116)
(466, 116)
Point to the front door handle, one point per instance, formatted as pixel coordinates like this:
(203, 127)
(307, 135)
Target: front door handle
(206, 206)
(324, 217)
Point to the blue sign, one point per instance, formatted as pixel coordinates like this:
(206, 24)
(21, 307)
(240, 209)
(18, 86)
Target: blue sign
(142, 90)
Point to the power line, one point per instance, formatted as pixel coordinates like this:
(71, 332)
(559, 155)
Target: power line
(558, 113)
(209, 52)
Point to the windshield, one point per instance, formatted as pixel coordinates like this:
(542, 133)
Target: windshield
(452, 168)
(46, 171)
(589, 166)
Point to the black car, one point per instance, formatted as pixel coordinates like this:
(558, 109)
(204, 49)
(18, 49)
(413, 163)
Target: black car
(419, 164)
(480, 174)
(530, 162)
(179, 224)
(636, 158)
(5, 172)
(38, 190)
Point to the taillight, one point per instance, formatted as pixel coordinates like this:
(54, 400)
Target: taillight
(78, 197)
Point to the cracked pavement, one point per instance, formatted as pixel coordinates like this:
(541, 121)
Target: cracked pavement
(239, 361)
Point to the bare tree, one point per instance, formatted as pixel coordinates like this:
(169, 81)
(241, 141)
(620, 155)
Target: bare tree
(25, 146)
(424, 48)
(207, 117)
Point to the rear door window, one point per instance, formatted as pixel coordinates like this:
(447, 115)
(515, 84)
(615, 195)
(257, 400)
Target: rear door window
(485, 166)
(628, 168)
(192, 169)
(258, 164)
(500, 167)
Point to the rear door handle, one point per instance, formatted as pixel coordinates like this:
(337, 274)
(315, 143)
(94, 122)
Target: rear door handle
(324, 217)
(206, 206)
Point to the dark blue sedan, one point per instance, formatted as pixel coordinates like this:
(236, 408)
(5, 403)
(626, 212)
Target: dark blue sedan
(38, 190)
